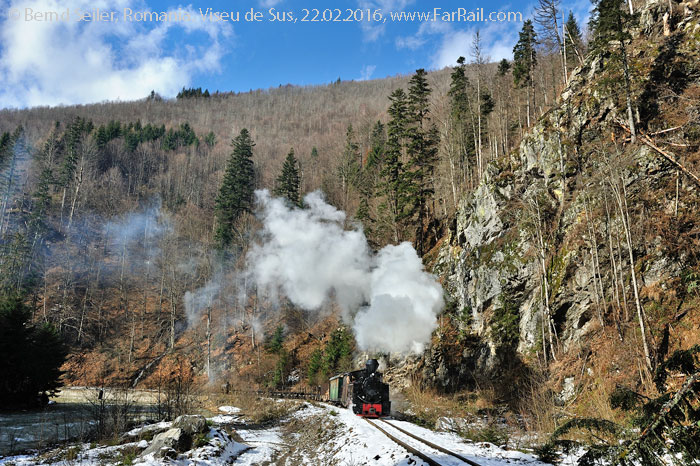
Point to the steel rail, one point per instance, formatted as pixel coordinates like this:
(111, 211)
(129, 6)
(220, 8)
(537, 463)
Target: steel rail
(432, 445)
(409, 448)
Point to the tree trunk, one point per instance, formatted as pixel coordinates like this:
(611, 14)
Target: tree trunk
(613, 266)
(620, 195)
(628, 91)
(78, 183)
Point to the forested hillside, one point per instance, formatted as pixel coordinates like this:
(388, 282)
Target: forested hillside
(555, 197)
(113, 212)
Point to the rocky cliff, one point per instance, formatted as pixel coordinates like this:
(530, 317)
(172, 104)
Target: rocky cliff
(537, 262)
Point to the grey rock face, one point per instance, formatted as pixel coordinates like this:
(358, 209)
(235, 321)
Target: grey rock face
(191, 424)
(171, 440)
(490, 261)
(179, 437)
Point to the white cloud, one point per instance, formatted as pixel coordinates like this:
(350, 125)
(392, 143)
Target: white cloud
(372, 30)
(269, 3)
(367, 72)
(497, 41)
(410, 42)
(426, 28)
(498, 38)
(68, 62)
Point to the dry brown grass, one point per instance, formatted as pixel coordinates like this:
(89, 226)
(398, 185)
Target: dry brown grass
(427, 405)
(256, 409)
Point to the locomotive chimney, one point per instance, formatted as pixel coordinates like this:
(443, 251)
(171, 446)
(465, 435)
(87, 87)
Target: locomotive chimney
(371, 366)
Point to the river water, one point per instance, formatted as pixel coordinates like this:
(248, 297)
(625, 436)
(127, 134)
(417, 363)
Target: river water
(71, 416)
(22, 430)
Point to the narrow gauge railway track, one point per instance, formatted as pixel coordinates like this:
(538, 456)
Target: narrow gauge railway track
(314, 396)
(432, 445)
(413, 450)
(317, 396)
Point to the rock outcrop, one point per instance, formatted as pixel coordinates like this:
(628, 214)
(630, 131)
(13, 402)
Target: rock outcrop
(525, 261)
(179, 438)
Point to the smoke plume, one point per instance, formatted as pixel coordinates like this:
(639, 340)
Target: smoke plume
(307, 255)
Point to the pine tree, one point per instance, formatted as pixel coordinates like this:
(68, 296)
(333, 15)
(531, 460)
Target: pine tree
(288, 181)
(350, 165)
(315, 366)
(573, 42)
(610, 24)
(30, 356)
(75, 135)
(422, 150)
(524, 61)
(338, 352)
(393, 184)
(41, 196)
(275, 342)
(377, 143)
(369, 177)
(101, 137)
(210, 139)
(503, 67)
(236, 193)
(459, 100)
(461, 148)
(363, 214)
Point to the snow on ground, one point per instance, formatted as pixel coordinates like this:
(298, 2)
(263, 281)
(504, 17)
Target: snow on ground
(314, 434)
(220, 450)
(484, 453)
(358, 442)
(264, 445)
(158, 426)
(229, 409)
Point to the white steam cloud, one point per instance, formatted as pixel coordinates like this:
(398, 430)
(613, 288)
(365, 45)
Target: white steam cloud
(306, 254)
(200, 299)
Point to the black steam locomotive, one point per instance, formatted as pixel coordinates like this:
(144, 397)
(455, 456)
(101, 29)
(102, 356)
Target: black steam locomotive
(363, 390)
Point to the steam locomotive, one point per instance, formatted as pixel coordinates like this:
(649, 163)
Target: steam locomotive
(363, 390)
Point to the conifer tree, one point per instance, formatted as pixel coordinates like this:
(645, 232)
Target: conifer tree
(610, 25)
(350, 165)
(75, 135)
(666, 425)
(461, 148)
(422, 150)
(210, 139)
(338, 352)
(315, 366)
(369, 176)
(573, 41)
(393, 184)
(524, 61)
(42, 193)
(30, 355)
(377, 143)
(236, 193)
(503, 67)
(363, 214)
(288, 181)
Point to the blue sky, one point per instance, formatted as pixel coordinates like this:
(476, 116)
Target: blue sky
(66, 62)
